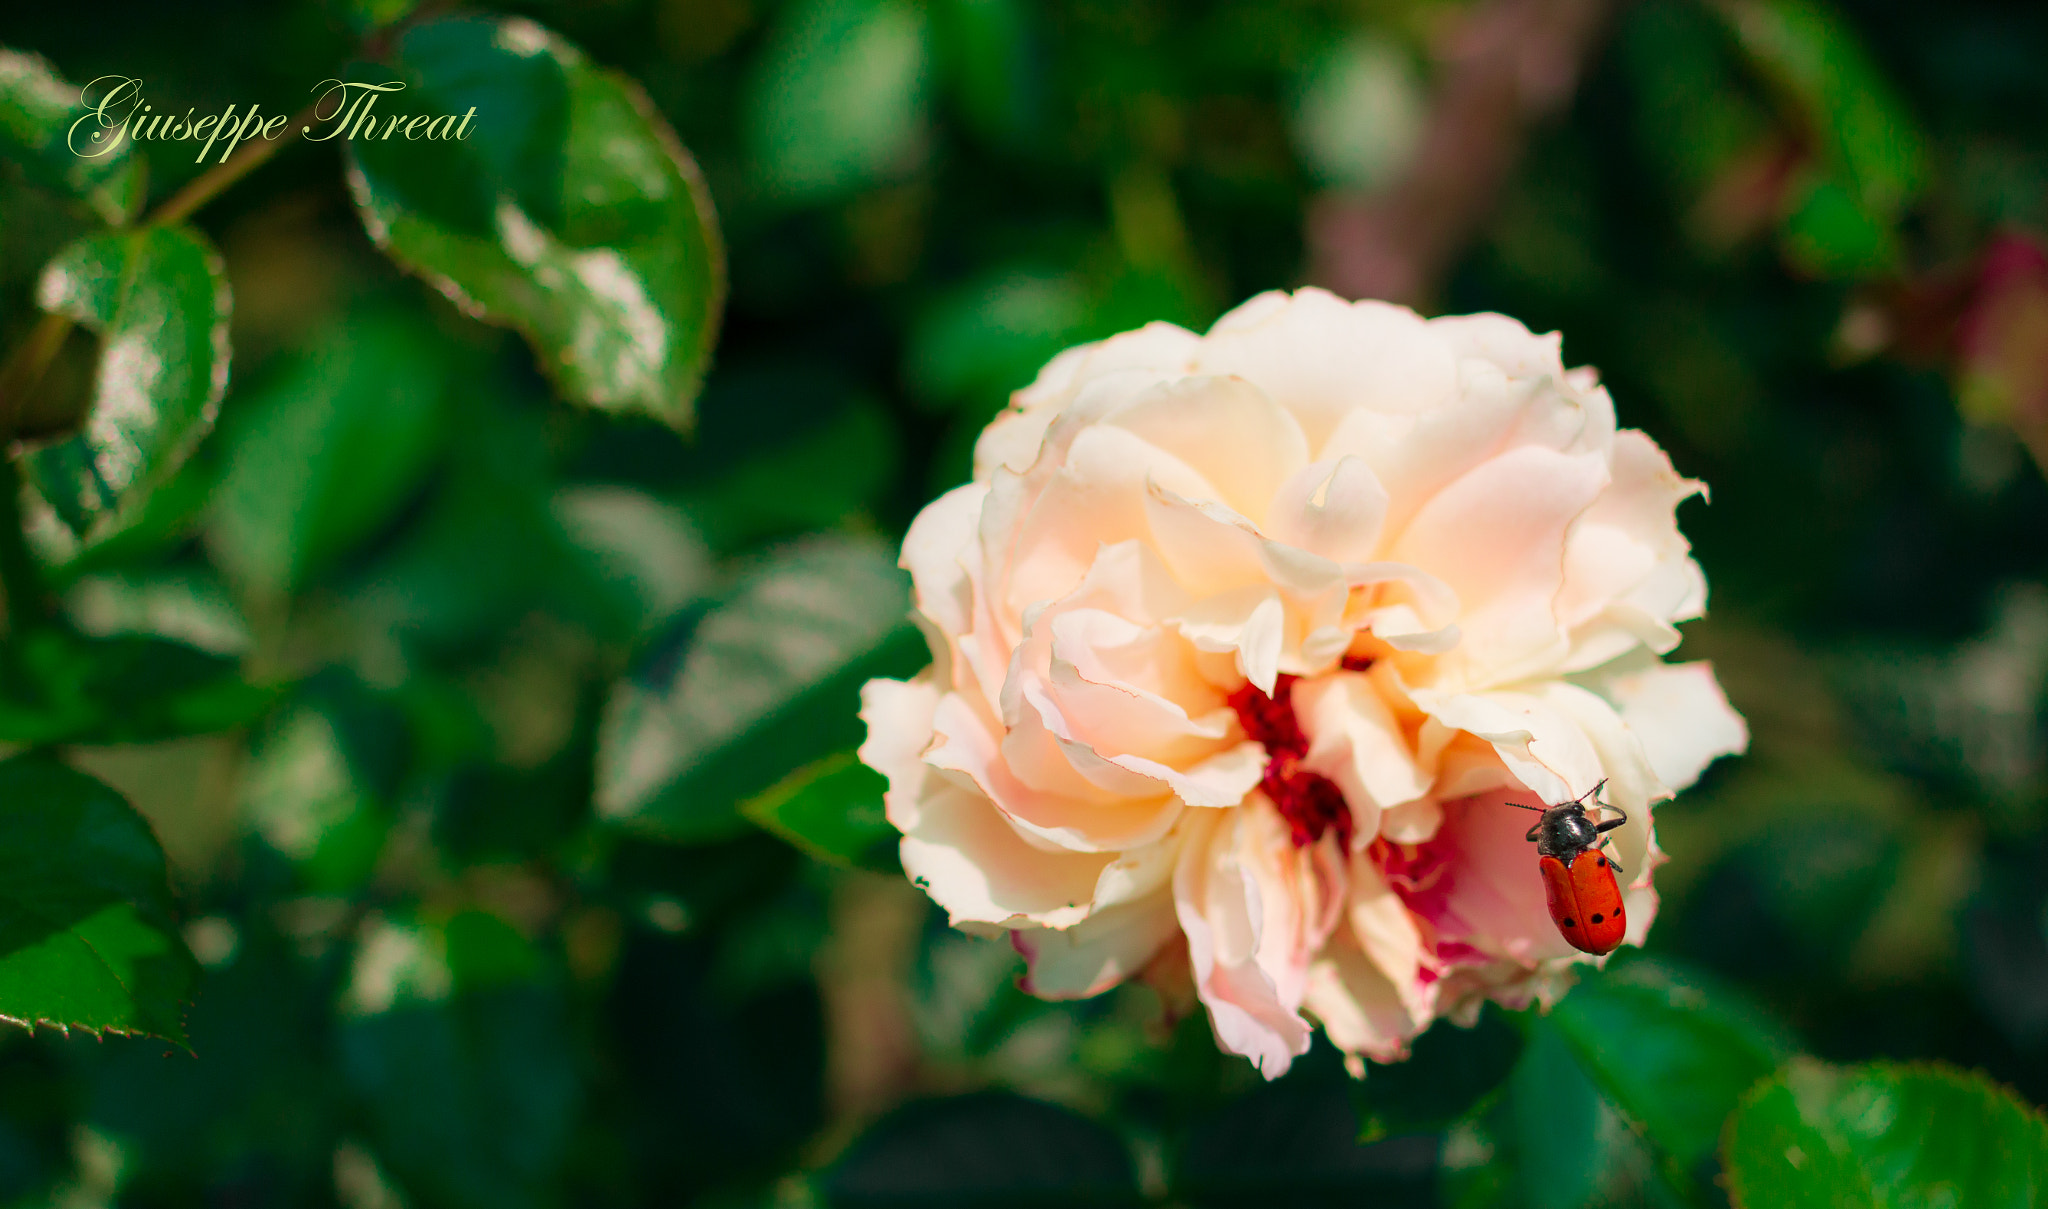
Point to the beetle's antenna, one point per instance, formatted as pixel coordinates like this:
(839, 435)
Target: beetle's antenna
(1594, 793)
(1520, 806)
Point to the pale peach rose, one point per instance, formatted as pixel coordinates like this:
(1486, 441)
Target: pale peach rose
(1241, 643)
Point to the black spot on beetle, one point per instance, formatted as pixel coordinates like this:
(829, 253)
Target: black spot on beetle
(1597, 918)
(1566, 924)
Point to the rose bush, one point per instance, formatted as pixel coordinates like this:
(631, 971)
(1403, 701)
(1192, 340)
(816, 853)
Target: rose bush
(1241, 642)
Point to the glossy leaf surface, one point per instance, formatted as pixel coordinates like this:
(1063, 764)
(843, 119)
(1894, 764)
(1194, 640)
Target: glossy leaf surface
(86, 936)
(158, 300)
(1885, 1136)
(570, 212)
(38, 109)
(767, 679)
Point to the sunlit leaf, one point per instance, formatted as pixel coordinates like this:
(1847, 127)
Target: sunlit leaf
(766, 680)
(461, 1059)
(832, 809)
(158, 298)
(40, 116)
(86, 936)
(837, 101)
(60, 687)
(1670, 1051)
(318, 783)
(326, 450)
(1884, 1136)
(644, 547)
(567, 210)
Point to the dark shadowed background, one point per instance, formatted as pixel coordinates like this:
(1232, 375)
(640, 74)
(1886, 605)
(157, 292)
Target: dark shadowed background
(499, 745)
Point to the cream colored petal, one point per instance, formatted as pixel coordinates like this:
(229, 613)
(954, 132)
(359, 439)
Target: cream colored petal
(1628, 576)
(1632, 784)
(1099, 952)
(965, 854)
(1249, 624)
(1496, 537)
(932, 551)
(1244, 444)
(1367, 984)
(1321, 357)
(1220, 909)
(1333, 509)
(1542, 747)
(1355, 741)
(1679, 714)
(1208, 548)
(899, 715)
(1037, 788)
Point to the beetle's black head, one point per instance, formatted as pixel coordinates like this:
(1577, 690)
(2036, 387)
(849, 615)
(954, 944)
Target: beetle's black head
(1565, 831)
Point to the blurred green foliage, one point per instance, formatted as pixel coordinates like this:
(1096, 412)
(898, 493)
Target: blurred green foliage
(487, 674)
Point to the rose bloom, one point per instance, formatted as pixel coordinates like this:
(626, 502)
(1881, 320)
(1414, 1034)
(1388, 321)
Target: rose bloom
(1243, 642)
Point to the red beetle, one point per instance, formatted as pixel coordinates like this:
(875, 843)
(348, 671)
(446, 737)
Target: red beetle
(1578, 877)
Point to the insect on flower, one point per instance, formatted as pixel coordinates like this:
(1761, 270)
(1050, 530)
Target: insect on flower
(1578, 874)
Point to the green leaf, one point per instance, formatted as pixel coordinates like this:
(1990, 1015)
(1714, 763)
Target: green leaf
(40, 115)
(1451, 1073)
(1358, 113)
(991, 49)
(1830, 235)
(816, 478)
(326, 451)
(462, 1061)
(644, 549)
(1556, 1115)
(1811, 54)
(318, 784)
(838, 99)
(972, 348)
(567, 211)
(832, 810)
(769, 680)
(159, 300)
(1884, 1136)
(61, 687)
(1873, 158)
(86, 933)
(1670, 1051)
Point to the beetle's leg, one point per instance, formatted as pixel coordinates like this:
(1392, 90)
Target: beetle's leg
(1607, 850)
(1534, 828)
(1611, 824)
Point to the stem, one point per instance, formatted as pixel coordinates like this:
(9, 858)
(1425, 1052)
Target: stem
(246, 159)
(28, 598)
(25, 368)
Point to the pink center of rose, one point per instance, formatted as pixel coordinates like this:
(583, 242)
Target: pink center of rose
(1310, 802)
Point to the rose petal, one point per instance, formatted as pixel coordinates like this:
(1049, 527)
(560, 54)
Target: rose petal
(1331, 508)
(1496, 537)
(1097, 953)
(1226, 429)
(1679, 714)
(1221, 910)
(1321, 357)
